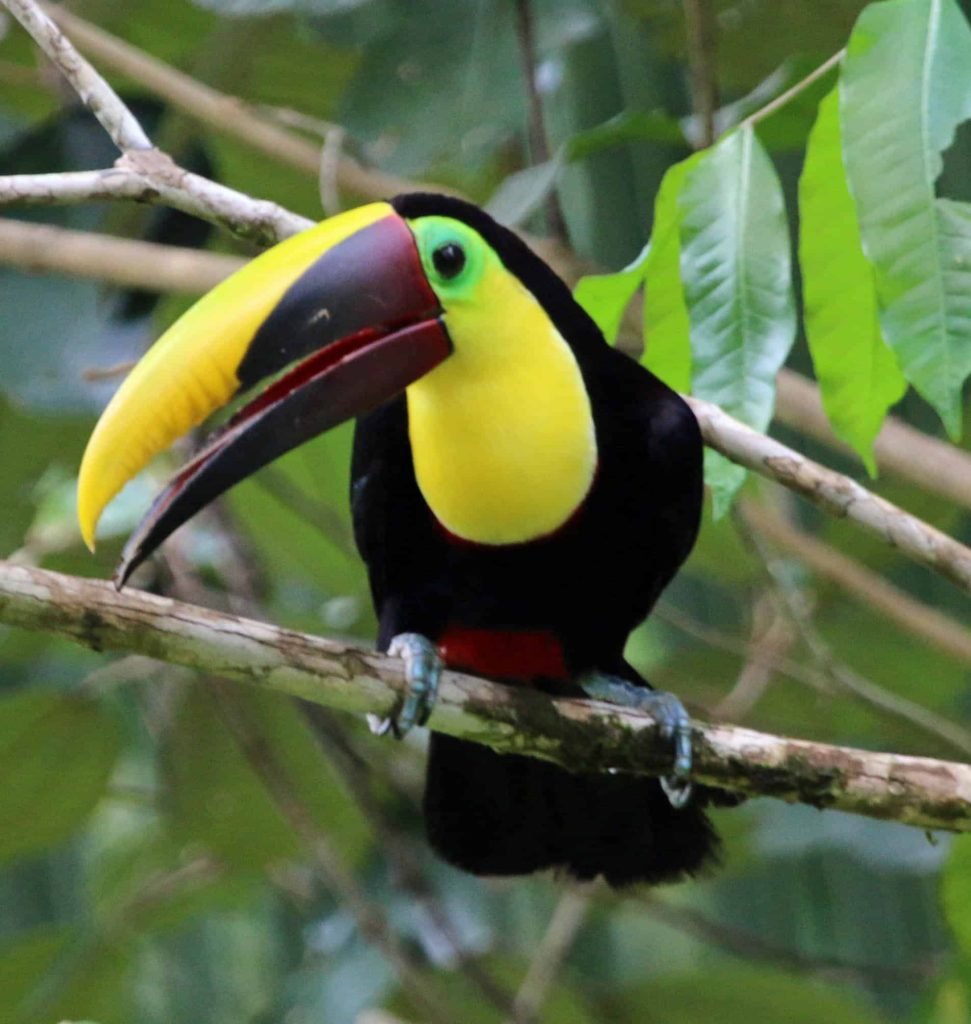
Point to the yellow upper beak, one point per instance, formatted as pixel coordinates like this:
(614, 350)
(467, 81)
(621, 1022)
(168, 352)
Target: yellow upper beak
(192, 370)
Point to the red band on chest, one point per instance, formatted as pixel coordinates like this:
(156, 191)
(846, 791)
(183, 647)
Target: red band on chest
(504, 653)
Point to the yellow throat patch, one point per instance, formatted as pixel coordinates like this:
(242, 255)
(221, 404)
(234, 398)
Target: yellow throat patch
(502, 432)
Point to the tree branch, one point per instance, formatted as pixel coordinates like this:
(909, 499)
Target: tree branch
(901, 450)
(120, 261)
(142, 172)
(370, 916)
(701, 31)
(564, 926)
(149, 176)
(227, 114)
(581, 735)
(750, 945)
(116, 119)
(833, 492)
(792, 600)
(934, 627)
(539, 150)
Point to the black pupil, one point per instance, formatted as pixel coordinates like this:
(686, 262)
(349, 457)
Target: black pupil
(449, 259)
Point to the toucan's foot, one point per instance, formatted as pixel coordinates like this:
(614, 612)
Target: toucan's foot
(671, 716)
(423, 669)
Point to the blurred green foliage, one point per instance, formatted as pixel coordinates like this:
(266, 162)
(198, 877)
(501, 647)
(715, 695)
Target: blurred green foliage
(144, 872)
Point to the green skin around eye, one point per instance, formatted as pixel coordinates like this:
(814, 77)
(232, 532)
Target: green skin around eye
(434, 232)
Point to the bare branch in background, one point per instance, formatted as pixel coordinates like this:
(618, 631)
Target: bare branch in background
(329, 175)
(820, 677)
(565, 924)
(839, 495)
(583, 735)
(770, 645)
(370, 917)
(539, 149)
(398, 849)
(142, 172)
(226, 114)
(701, 30)
(119, 261)
(792, 599)
(116, 119)
(750, 946)
(901, 450)
(790, 94)
(932, 626)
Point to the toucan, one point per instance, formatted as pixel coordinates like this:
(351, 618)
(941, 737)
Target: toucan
(521, 494)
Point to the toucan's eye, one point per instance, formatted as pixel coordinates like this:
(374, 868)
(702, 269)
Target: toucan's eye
(449, 260)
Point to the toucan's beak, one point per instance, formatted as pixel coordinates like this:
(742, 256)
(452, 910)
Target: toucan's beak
(344, 310)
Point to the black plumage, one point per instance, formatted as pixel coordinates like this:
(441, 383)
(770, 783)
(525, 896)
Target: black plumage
(589, 584)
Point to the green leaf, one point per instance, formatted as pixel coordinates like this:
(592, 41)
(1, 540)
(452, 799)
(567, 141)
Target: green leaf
(858, 374)
(217, 800)
(522, 193)
(739, 995)
(956, 892)
(735, 267)
(25, 963)
(606, 296)
(904, 89)
(91, 982)
(56, 754)
(628, 126)
(433, 87)
(667, 342)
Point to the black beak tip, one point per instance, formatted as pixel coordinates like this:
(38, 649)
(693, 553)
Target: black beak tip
(131, 559)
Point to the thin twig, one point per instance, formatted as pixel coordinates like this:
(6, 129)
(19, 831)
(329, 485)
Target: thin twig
(117, 120)
(790, 94)
(323, 517)
(836, 494)
(329, 177)
(117, 926)
(565, 924)
(149, 176)
(751, 946)
(901, 450)
(792, 600)
(370, 918)
(772, 638)
(397, 848)
(539, 150)
(225, 113)
(46, 248)
(874, 696)
(934, 627)
(701, 29)
(584, 735)
(291, 118)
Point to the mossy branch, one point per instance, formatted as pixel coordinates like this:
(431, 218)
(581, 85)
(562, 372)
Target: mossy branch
(579, 734)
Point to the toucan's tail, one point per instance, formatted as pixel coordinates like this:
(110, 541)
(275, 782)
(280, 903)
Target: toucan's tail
(501, 814)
